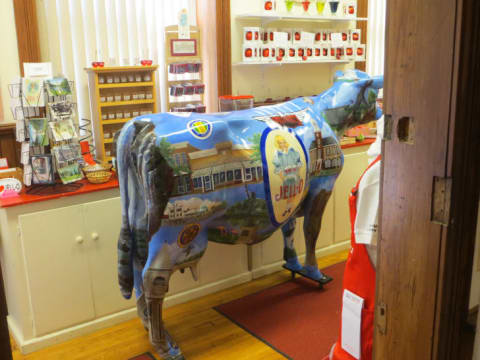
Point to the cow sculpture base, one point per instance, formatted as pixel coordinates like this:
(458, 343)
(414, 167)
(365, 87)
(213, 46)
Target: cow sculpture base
(233, 178)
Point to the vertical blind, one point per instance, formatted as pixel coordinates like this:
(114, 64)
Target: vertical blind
(376, 37)
(118, 32)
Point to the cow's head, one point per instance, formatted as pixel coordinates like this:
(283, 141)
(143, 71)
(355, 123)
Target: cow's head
(352, 100)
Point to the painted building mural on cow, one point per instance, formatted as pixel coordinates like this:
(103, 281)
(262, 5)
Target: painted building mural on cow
(234, 178)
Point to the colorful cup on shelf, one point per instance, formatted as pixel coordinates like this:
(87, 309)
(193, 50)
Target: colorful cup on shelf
(334, 7)
(146, 62)
(306, 6)
(98, 64)
(289, 5)
(269, 5)
(321, 6)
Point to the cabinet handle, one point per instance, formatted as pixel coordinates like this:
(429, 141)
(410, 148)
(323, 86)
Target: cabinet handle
(79, 240)
(95, 236)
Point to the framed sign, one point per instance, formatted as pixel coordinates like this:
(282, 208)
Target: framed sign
(183, 47)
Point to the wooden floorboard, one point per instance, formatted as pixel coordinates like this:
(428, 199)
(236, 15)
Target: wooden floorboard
(201, 332)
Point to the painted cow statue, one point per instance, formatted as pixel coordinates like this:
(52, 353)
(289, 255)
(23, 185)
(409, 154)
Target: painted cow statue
(233, 178)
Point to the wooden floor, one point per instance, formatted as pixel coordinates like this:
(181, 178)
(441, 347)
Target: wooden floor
(200, 331)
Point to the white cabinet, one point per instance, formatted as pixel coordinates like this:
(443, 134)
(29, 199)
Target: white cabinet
(57, 268)
(70, 259)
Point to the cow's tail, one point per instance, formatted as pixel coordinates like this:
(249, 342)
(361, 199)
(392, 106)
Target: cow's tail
(146, 181)
(125, 169)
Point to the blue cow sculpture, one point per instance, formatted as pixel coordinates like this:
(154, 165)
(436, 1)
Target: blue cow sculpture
(234, 178)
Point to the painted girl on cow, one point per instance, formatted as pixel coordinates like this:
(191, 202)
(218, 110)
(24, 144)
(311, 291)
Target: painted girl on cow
(234, 178)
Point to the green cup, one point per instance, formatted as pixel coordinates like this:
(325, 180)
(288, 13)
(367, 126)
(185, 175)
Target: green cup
(320, 6)
(289, 5)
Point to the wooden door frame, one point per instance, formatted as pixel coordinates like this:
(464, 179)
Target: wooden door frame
(459, 238)
(224, 51)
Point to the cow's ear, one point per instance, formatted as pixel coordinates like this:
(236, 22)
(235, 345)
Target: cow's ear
(377, 82)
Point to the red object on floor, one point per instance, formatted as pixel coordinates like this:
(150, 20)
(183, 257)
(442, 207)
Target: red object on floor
(295, 318)
(146, 356)
(360, 279)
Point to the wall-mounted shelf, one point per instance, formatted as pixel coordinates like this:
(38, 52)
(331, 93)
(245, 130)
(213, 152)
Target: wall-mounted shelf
(124, 85)
(243, 63)
(130, 102)
(286, 17)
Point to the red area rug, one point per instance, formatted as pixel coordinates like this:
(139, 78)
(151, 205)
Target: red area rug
(146, 356)
(295, 318)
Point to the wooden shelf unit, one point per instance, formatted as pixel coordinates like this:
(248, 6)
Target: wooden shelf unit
(171, 33)
(97, 90)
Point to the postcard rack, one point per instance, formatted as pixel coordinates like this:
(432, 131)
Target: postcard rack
(45, 113)
(183, 71)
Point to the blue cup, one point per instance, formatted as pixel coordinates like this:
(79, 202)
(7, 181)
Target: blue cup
(334, 6)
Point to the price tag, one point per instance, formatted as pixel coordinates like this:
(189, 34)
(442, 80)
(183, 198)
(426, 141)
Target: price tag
(352, 323)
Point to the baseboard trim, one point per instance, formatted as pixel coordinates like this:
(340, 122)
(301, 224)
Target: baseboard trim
(37, 343)
(277, 266)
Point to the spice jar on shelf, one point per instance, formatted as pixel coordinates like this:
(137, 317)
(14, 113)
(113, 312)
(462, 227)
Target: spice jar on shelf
(138, 77)
(101, 79)
(127, 96)
(147, 77)
(119, 114)
(118, 97)
(131, 77)
(123, 78)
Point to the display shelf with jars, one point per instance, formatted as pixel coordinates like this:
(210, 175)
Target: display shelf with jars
(117, 95)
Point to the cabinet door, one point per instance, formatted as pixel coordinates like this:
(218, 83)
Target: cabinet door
(353, 168)
(57, 268)
(102, 226)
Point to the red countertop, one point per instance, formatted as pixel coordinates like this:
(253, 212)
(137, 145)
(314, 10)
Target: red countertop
(87, 187)
(359, 143)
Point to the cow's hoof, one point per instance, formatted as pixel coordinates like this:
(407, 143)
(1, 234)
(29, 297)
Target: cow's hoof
(313, 273)
(293, 265)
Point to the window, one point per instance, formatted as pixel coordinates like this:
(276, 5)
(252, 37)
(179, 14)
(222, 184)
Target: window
(254, 174)
(216, 179)
(118, 32)
(230, 175)
(238, 174)
(208, 184)
(197, 183)
(259, 172)
(248, 174)
(222, 177)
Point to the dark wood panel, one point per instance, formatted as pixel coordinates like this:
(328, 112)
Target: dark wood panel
(26, 24)
(9, 148)
(419, 62)
(224, 52)
(453, 337)
(362, 11)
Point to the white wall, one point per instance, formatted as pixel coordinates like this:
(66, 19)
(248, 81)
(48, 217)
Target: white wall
(9, 68)
(264, 81)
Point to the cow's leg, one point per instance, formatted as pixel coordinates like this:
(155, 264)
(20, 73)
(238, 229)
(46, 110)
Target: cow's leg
(289, 253)
(314, 209)
(155, 285)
